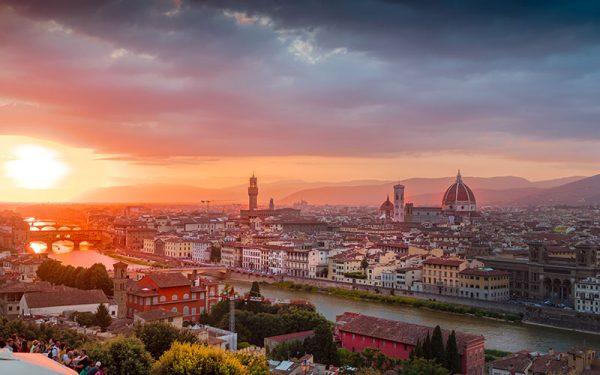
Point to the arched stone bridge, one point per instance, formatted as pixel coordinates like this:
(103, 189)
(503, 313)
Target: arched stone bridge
(75, 236)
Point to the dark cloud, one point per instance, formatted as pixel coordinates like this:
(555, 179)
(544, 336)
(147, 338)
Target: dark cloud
(221, 77)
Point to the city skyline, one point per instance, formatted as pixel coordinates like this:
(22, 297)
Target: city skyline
(202, 93)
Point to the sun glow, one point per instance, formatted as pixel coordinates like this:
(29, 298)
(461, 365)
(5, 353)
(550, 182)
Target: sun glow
(35, 167)
(38, 247)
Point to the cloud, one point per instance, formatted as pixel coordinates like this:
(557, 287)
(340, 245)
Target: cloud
(196, 79)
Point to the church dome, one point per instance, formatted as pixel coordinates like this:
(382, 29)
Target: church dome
(387, 208)
(459, 197)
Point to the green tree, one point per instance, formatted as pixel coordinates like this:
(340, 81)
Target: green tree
(102, 317)
(422, 366)
(158, 337)
(215, 253)
(255, 290)
(286, 350)
(417, 351)
(196, 359)
(437, 346)
(122, 356)
(427, 351)
(85, 319)
(452, 357)
(321, 345)
(364, 264)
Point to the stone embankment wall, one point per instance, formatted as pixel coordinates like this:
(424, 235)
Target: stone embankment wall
(504, 307)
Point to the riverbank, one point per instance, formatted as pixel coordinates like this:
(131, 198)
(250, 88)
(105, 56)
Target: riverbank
(137, 261)
(400, 300)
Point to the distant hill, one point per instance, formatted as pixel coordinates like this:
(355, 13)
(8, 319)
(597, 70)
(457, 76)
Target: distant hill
(426, 191)
(582, 192)
(506, 190)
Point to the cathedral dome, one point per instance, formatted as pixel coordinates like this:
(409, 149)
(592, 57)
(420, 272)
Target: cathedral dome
(459, 197)
(387, 208)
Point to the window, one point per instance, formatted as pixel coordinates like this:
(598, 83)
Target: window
(186, 296)
(186, 310)
(163, 298)
(174, 297)
(174, 309)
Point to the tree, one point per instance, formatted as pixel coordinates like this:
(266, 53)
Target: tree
(364, 264)
(85, 319)
(417, 351)
(196, 359)
(158, 337)
(102, 317)
(437, 346)
(215, 253)
(255, 290)
(452, 357)
(122, 356)
(427, 352)
(421, 366)
(321, 345)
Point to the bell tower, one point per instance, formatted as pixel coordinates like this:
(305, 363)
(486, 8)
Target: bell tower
(399, 203)
(253, 193)
(119, 288)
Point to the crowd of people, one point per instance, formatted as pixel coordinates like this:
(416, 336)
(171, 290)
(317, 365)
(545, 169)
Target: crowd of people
(77, 360)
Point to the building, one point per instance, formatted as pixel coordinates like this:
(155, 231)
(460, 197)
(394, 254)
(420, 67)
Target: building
(573, 362)
(433, 215)
(485, 284)
(317, 263)
(386, 210)
(403, 278)
(253, 212)
(441, 275)
(201, 251)
(10, 296)
(273, 341)
(58, 302)
(231, 254)
(163, 316)
(120, 279)
(296, 262)
(459, 202)
(399, 203)
(545, 276)
(587, 295)
(171, 292)
(396, 339)
(134, 238)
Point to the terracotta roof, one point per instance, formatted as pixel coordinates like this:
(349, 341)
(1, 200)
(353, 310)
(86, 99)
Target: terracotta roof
(73, 297)
(169, 280)
(153, 315)
(294, 335)
(518, 362)
(396, 331)
(444, 262)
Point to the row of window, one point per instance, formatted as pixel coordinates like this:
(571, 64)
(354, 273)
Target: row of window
(155, 300)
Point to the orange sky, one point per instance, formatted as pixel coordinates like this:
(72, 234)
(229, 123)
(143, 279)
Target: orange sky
(87, 170)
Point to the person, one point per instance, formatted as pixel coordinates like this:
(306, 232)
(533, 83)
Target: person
(24, 345)
(34, 346)
(10, 345)
(67, 358)
(53, 352)
(101, 371)
(82, 361)
(2, 343)
(93, 370)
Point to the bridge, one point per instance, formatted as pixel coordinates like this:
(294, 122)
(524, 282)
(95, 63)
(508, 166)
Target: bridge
(219, 272)
(75, 236)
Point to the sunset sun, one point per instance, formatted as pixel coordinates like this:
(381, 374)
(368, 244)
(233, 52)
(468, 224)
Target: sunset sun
(35, 167)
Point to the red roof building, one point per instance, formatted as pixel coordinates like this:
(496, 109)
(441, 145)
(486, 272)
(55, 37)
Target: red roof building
(396, 339)
(171, 292)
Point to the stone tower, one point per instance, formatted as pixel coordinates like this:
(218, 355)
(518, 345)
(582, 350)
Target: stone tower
(399, 203)
(253, 194)
(119, 287)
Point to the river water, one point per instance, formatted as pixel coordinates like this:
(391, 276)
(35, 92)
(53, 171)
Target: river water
(84, 258)
(510, 337)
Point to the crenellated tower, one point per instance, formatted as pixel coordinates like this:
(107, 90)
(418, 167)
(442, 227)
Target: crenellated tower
(253, 193)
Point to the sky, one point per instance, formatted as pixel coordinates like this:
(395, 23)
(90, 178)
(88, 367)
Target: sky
(106, 92)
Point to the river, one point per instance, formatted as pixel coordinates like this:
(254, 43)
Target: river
(505, 336)
(85, 258)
